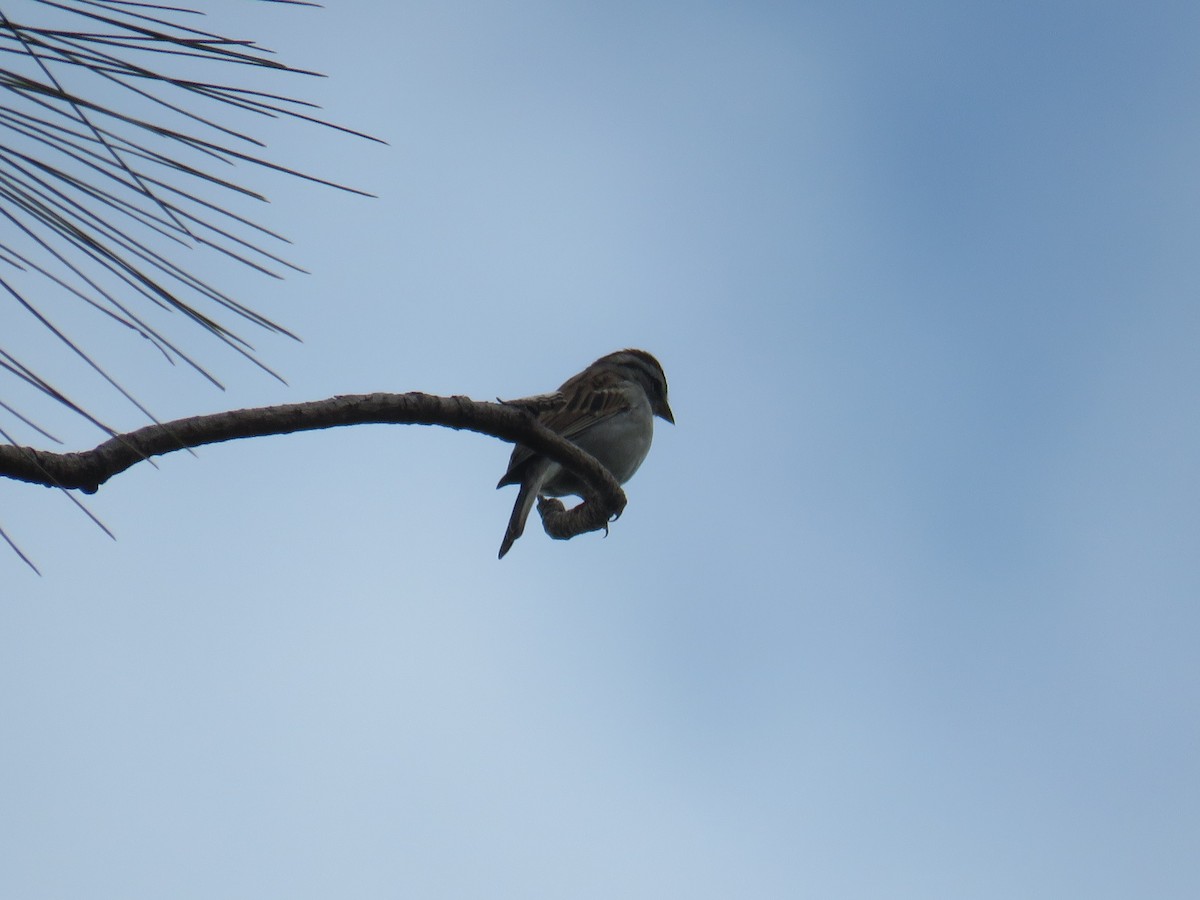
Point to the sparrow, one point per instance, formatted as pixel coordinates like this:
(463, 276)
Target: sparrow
(607, 410)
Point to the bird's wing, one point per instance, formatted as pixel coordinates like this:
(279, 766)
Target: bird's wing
(590, 397)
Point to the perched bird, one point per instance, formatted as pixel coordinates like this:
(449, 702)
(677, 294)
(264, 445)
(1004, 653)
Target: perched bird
(608, 410)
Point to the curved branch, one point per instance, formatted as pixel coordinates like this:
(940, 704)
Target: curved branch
(512, 422)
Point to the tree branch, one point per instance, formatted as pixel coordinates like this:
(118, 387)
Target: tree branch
(512, 422)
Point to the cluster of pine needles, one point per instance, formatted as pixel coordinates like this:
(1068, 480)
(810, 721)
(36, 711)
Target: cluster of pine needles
(126, 140)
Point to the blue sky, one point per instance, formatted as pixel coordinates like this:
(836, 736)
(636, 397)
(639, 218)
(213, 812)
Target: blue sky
(904, 606)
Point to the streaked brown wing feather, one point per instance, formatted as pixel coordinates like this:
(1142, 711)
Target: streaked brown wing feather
(591, 397)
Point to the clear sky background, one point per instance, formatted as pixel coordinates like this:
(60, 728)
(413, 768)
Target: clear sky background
(905, 606)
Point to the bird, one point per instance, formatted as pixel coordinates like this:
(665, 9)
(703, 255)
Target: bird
(607, 410)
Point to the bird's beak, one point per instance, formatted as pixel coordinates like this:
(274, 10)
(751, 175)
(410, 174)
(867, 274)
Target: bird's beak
(665, 412)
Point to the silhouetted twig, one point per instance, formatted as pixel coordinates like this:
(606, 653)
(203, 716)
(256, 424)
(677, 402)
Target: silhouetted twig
(87, 470)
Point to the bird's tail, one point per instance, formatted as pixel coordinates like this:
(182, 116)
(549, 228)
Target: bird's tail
(516, 523)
